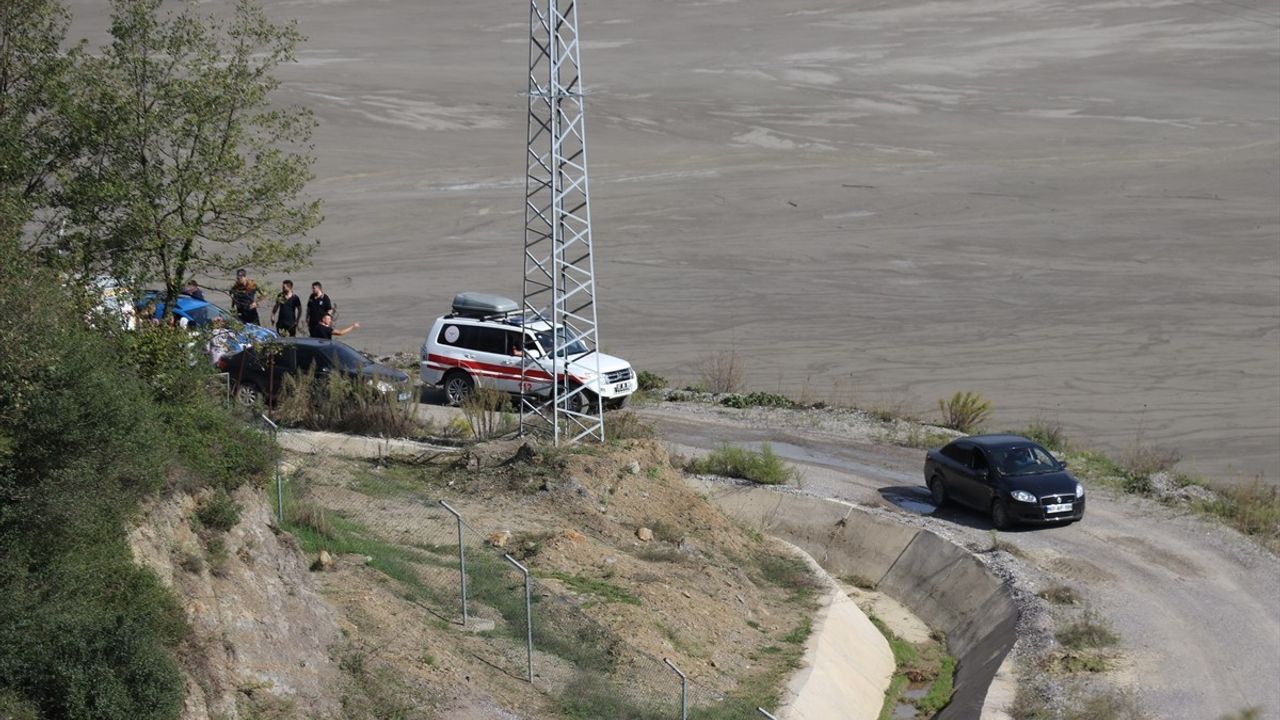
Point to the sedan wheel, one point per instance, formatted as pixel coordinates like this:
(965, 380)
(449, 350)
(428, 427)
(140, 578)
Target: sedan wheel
(1000, 514)
(248, 395)
(938, 490)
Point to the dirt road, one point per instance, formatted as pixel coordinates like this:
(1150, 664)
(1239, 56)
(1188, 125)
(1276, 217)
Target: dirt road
(1195, 605)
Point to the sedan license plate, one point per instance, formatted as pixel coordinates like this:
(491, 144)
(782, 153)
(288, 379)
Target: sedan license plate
(1051, 509)
(402, 397)
(622, 387)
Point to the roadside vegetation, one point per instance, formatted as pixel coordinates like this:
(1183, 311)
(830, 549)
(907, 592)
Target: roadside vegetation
(88, 431)
(761, 466)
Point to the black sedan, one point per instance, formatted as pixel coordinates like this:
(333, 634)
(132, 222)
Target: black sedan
(1008, 476)
(257, 373)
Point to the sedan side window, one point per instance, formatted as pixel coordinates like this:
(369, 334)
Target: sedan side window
(980, 460)
(957, 452)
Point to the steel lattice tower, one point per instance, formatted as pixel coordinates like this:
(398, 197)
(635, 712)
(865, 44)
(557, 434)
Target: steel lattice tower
(559, 273)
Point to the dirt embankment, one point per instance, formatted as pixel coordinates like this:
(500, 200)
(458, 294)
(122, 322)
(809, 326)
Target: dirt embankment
(630, 567)
(261, 636)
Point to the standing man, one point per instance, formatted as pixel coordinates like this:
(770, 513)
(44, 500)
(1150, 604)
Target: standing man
(244, 297)
(318, 305)
(287, 311)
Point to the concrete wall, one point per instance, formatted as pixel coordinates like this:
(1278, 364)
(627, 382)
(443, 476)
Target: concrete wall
(940, 582)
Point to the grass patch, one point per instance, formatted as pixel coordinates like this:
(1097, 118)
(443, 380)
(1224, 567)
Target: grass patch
(1080, 702)
(917, 663)
(1001, 545)
(789, 573)
(760, 466)
(1089, 632)
(1060, 594)
(1252, 508)
(605, 591)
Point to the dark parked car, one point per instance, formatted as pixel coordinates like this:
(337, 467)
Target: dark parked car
(1008, 476)
(257, 373)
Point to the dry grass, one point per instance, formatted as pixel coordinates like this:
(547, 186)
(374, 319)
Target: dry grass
(1060, 594)
(342, 404)
(1252, 508)
(488, 412)
(721, 372)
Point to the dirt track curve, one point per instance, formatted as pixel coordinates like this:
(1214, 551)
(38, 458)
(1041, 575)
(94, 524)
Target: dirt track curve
(1195, 604)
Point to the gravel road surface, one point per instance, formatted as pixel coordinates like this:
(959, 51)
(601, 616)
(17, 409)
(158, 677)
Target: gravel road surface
(1197, 606)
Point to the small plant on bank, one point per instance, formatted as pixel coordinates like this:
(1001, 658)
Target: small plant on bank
(627, 426)
(218, 511)
(964, 411)
(649, 381)
(757, 399)
(760, 466)
(488, 412)
(1087, 633)
(1048, 433)
(1060, 594)
(721, 372)
(1143, 461)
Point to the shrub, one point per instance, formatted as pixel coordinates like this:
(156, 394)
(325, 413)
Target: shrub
(87, 430)
(760, 466)
(757, 399)
(721, 372)
(1141, 461)
(343, 404)
(218, 511)
(964, 411)
(647, 381)
(1048, 433)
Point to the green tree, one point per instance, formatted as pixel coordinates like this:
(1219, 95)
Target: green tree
(193, 168)
(36, 91)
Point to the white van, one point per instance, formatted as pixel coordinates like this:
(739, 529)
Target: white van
(484, 341)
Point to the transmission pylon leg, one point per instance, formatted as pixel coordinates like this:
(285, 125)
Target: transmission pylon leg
(559, 271)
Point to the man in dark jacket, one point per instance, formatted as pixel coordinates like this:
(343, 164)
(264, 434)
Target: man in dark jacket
(287, 311)
(244, 297)
(318, 305)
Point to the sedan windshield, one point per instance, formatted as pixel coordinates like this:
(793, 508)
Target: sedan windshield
(205, 314)
(573, 347)
(1023, 460)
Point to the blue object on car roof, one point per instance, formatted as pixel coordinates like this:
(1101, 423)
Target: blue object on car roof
(200, 313)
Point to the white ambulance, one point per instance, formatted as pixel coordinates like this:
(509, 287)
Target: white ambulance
(486, 341)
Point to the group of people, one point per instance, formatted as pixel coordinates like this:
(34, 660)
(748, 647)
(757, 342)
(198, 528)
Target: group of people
(286, 312)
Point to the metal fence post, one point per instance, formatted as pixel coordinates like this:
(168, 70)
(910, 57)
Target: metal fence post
(528, 612)
(462, 561)
(275, 433)
(766, 713)
(684, 690)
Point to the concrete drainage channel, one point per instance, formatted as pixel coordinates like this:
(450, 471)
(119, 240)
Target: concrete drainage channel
(940, 582)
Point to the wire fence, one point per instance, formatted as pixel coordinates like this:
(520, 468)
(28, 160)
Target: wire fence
(473, 577)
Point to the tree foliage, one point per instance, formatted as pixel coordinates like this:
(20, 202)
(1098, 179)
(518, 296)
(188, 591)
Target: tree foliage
(36, 91)
(84, 631)
(163, 156)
